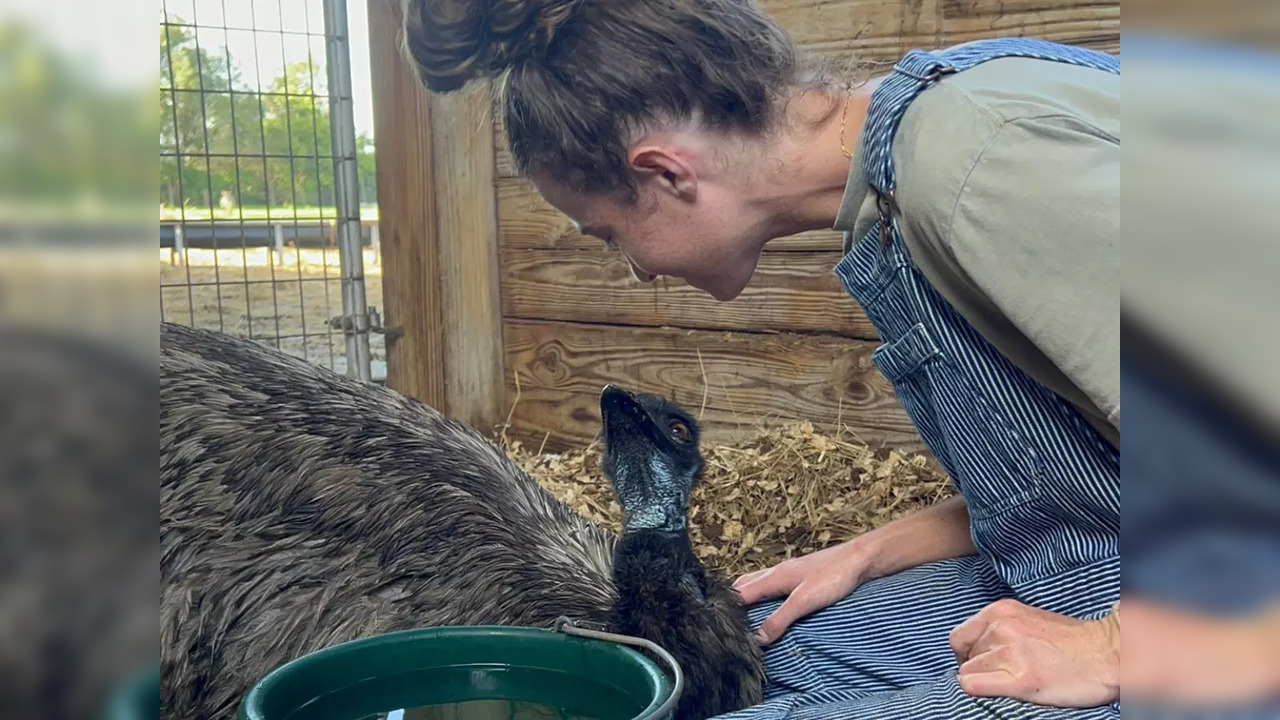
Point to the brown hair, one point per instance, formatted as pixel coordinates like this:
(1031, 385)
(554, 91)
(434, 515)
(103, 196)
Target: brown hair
(581, 76)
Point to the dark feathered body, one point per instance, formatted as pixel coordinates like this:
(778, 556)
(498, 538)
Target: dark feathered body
(300, 509)
(661, 603)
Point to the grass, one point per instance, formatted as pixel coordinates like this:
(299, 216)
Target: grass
(284, 212)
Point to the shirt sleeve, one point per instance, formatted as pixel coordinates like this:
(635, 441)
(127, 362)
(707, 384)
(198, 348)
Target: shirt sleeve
(1036, 226)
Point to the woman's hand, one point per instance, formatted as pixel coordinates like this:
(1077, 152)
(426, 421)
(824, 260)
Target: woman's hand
(816, 581)
(1185, 658)
(1016, 651)
(811, 582)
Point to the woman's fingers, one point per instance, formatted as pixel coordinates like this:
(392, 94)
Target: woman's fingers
(796, 606)
(996, 683)
(750, 578)
(970, 637)
(762, 584)
(966, 635)
(997, 658)
(812, 582)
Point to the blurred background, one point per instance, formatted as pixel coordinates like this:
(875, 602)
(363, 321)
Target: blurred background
(243, 202)
(239, 95)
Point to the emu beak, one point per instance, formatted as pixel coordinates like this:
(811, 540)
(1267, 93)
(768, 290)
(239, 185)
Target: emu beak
(616, 403)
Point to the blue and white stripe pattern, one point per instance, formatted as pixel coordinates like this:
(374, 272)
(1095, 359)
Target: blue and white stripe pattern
(1043, 488)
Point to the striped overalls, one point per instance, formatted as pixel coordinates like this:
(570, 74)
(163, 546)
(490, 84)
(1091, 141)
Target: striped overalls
(1043, 488)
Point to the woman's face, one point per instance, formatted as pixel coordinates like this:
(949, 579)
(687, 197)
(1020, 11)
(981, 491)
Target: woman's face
(703, 233)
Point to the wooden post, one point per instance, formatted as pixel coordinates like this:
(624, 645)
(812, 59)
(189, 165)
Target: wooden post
(411, 284)
(466, 212)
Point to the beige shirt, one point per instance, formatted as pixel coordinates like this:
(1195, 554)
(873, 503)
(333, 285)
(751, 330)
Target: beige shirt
(1009, 189)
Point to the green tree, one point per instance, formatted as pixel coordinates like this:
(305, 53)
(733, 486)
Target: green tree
(63, 133)
(193, 123)
(281, 136)
(296, 116)
(367, 169)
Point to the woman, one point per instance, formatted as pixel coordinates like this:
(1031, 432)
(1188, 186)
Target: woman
(979, 193)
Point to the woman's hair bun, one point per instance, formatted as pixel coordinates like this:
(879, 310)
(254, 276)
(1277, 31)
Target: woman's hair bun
(456, 41)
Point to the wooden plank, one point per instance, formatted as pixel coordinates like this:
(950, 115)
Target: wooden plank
(881, 30)
(468, 241)
(872, 28)
(503, 164)
(746, 379)
(1093, 25)
(407, 218)
(790, 292)
(558, 421)
(525, 220)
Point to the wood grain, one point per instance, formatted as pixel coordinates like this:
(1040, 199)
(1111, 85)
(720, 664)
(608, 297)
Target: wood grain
(407, 217)
(470, 272)
(790, 292)
(747, 379)
(525, 220)
(880, 31)
(504, 166)
(871, 29)
(558, 421)
(1094, 25)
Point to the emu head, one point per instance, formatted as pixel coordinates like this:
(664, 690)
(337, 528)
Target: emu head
(651, 458)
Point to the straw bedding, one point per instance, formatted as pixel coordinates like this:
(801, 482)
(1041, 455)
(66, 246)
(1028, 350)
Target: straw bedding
(786, 491)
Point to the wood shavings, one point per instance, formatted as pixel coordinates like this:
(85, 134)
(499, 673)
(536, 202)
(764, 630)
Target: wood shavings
(784, 492)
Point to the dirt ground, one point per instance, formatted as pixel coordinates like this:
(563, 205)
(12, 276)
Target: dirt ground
(288, 300)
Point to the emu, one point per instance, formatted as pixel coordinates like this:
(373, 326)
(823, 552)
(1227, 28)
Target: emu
(300, 508)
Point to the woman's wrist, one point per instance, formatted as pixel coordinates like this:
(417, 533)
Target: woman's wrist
(939, 532)
(1109, 672)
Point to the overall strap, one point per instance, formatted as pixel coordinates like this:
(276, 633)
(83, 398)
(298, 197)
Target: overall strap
(919, 69)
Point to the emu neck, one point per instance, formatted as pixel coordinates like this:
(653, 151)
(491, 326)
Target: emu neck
(655, 567)
(657, 502)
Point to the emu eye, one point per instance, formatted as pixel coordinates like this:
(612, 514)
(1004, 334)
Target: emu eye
(679, 429)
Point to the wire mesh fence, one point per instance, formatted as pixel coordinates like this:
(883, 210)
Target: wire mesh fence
(262, 231)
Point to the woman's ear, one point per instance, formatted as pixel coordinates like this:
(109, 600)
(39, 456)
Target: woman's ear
(672, 173)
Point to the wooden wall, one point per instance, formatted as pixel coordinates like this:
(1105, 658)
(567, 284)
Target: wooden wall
(438, 223)
(793, 346)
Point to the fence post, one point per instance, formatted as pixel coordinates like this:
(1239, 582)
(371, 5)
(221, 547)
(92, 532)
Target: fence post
(375, 243)
(346, 186)
(467, 217)
(278, 229)
(177, 250)
(406, 214)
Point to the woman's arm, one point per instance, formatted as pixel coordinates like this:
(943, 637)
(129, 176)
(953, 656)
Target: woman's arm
(815, 581)
(938, 532)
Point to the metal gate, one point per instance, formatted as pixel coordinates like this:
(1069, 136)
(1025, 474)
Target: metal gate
(261, 227)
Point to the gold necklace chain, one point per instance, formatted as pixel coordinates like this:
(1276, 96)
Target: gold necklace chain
(843, 115)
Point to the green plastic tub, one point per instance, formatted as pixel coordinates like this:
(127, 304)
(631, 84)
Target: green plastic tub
(465, 673)
(136, 699)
